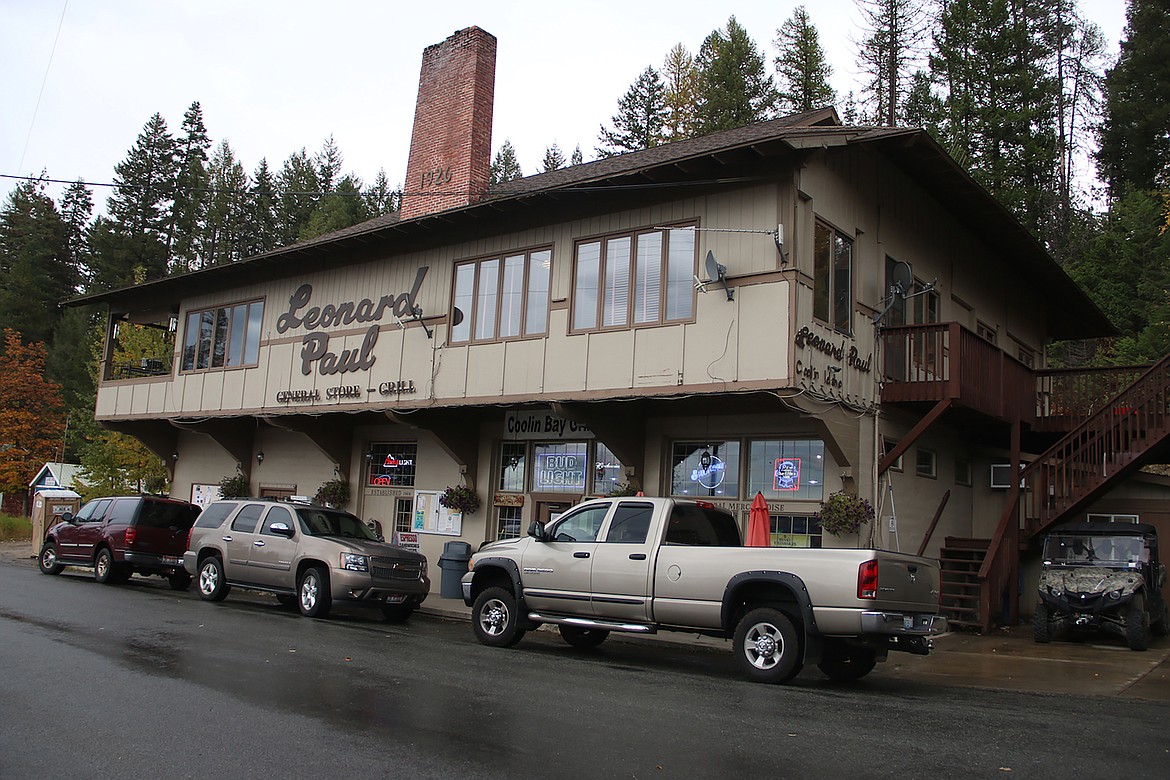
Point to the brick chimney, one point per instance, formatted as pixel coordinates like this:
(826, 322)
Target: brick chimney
(450, 147)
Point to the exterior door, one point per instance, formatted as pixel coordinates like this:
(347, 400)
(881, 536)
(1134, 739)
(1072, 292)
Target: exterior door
(238, 541)
(76, 540)
(271, 555)
(557, 572)
(621, 564)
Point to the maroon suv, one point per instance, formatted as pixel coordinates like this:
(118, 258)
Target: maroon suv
(123, 535)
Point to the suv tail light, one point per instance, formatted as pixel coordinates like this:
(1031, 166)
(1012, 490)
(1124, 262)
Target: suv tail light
(131, 535)
(190, 531)
(867, 580)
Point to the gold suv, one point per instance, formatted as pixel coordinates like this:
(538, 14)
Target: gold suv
(308, 555)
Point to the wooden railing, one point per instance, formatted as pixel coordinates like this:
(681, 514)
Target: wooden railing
(946, 361)
(1073, 471)
(1106, 443)
(1067, 396)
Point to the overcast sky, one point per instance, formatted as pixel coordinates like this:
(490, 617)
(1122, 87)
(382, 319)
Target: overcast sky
(82, 77)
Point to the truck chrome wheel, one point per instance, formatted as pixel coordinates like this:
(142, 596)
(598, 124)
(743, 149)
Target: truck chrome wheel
(494, 618)
(766, 646)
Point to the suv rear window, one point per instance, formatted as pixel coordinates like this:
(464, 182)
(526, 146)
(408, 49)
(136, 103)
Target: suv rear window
(214, 515)
(165, 514)
(124, 508)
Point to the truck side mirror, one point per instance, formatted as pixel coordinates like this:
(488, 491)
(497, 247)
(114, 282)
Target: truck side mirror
(67, 517)
(536, 531)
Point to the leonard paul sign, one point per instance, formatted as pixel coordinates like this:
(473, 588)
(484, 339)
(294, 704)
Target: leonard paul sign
(315, 346)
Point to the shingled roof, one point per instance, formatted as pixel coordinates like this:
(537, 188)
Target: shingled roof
(717, 160)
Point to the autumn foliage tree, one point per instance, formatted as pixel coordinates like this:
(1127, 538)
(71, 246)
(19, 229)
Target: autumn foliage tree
(32, 414)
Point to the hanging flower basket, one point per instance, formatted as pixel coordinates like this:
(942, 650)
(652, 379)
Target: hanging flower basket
(844, 513)
(235, 487)
(335, 492)
(460, 499)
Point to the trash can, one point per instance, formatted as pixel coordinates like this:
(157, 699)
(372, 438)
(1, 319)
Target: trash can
(453, 562)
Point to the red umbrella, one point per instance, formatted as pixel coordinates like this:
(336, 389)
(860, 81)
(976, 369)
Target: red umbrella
(759, 524)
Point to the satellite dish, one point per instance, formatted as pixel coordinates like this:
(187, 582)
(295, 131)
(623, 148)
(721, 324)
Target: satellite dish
(716, 271)
(901, 277)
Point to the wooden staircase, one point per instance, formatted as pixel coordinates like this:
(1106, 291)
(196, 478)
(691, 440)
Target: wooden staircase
(1071, 474)
(961, 560)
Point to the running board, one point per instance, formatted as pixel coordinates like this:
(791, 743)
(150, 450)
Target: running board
(582, 622)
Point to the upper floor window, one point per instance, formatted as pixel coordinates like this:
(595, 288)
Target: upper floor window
(223, 337)
(986, 331)
(502, 297)
(637, 278)
(833, 278)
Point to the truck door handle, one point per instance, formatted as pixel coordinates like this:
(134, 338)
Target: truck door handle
(580, 555)
(637, 556)
(258, 543)
(227, 538)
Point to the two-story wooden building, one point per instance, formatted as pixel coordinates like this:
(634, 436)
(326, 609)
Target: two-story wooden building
(793, 308)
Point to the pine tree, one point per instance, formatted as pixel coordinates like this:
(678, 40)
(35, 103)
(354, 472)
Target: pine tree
(191, 195)
(681, 78)
(262, 233)
(1135, 144)
(553, 158)
(37, 271)
(895, 32)
(802, 71)
(32, 418)
(299, 190)
(505, 166)
(76, 209)
(328, 162)
(340, 208)
(380, 198)
(135, 235)
(227, 210)
(640, 122)
(577, 158)
(735, 88)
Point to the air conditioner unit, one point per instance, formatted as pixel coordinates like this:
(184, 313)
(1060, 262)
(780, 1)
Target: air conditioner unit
(1001, 476)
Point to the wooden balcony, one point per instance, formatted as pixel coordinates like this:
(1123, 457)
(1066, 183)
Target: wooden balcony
(947, 362)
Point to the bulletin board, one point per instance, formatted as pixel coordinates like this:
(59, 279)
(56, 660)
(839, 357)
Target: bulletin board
(202, 495)
(431, 517)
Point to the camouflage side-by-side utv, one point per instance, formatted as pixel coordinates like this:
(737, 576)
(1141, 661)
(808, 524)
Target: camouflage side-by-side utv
(1102, 577)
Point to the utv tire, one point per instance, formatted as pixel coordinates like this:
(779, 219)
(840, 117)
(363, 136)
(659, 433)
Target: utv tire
(1137, 624)
(1041, 625)
(767, 648)
(212, 583)
(495, 620)
(313, 595)
(583, 638)
(47, 561)
(103, 567)
(846, 663)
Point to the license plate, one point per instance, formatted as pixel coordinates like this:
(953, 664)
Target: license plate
(907, 621)
(395, 599)
(170, 560)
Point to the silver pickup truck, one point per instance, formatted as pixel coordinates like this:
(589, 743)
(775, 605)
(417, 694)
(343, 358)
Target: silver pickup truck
(643, 565)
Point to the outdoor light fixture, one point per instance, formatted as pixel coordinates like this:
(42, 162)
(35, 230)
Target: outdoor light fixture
(175, 455)
(260, 457)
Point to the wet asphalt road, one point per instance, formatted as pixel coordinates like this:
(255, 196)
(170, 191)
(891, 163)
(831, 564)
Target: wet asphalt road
(136, 680)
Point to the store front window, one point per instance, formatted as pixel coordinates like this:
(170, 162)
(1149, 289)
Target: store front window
(392, 464)
(787, 469)
(560, 467)
(607, 470)
(512, 466)
(795, 531)
(709, 468)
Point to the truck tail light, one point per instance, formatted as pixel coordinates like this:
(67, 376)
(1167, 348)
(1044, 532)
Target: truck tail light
(131, 535)
(867, 580)
(190, 531)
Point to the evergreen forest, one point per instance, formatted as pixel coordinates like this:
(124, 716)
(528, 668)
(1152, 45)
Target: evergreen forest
(1076, 143)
